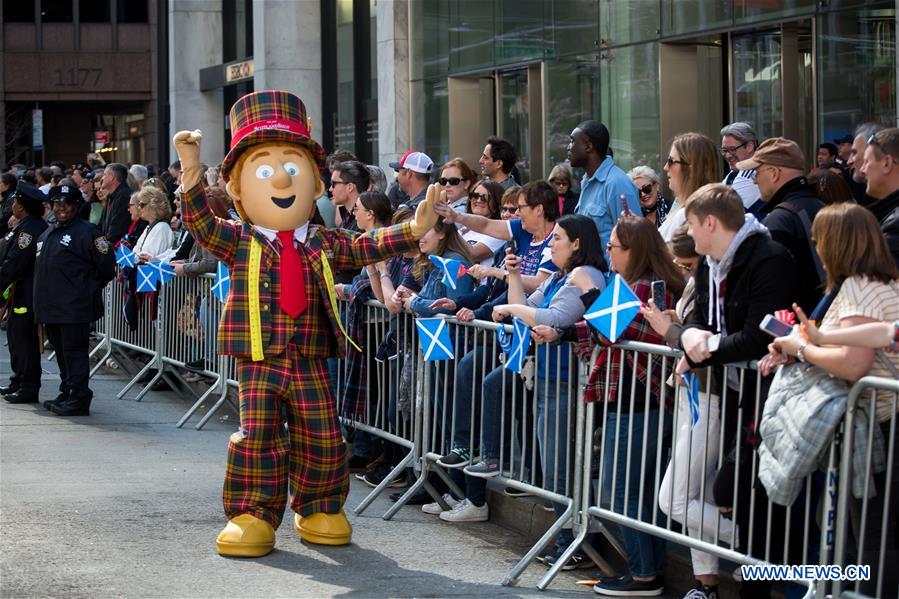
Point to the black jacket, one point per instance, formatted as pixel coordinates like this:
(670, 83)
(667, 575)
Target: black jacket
(74, 263)
(6, 202)
(760, 281)
(17, 260)
(887, 212)
(782, 217)
(116, 219)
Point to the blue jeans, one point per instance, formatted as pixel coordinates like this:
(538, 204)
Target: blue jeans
(554, 440)
(645, 552)
(470, 371)
(496, 420)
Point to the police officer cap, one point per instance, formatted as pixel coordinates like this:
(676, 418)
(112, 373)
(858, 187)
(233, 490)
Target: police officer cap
(67, 194)
(29, 195)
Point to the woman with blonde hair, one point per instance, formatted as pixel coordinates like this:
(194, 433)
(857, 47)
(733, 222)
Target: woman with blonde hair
(693, 161)
(155, 243)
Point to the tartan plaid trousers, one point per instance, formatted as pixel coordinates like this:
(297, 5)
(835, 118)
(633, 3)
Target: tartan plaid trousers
(263, 457)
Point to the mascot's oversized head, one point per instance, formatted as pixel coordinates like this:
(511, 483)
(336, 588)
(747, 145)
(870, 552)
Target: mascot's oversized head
(273, 170)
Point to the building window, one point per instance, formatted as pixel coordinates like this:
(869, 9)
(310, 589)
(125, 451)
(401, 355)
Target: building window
(131, 11)
(93, 11)
(56, 11)
(18, 11)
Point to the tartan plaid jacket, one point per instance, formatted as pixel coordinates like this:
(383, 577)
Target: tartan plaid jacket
(315, 336)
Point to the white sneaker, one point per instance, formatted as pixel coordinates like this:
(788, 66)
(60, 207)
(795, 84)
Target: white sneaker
(435, 509)
(466, 511)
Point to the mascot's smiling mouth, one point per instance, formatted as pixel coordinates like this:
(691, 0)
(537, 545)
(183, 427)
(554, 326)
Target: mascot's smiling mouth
(284, 202)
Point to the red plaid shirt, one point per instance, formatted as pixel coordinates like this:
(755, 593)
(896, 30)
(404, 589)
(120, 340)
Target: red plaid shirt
(637, 330)
(315, 331)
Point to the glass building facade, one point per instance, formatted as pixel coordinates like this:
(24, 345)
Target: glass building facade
(530, 70)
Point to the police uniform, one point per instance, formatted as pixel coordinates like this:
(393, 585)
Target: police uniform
(17, 284)
(74, 264)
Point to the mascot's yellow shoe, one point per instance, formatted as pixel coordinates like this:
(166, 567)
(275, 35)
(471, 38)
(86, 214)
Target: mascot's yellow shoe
(246, 536)
(324, 529)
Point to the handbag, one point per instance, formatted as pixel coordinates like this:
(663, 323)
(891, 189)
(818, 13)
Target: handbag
(188, 323)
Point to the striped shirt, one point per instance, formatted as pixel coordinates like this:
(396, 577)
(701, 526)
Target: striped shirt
(860, 296)
(744, 184)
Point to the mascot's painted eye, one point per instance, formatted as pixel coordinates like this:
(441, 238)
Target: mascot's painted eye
(292, 169)
(265, 172)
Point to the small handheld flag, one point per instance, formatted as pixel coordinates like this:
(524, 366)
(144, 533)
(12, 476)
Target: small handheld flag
(434, 339)
(166, 271)
(692, 382)
(516, 346)
(453, 270)
(125, 257)
(614, 309)
(222, 284)
(147, 277)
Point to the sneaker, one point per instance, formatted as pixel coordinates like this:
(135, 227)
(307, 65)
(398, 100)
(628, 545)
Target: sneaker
(466, 511)
(435, 509)
(486, 468)
(459, 457)
(701, 591)
(575, 562)
(626, 586)
(513, 492)
(373, 477)
(548, 505)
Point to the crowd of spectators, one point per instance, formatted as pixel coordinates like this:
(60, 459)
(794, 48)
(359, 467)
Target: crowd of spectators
(726, 250)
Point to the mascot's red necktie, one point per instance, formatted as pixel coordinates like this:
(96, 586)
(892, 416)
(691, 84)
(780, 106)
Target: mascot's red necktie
(293, 289)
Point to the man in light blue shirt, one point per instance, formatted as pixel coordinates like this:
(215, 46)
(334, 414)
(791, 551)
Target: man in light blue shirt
(604, 184)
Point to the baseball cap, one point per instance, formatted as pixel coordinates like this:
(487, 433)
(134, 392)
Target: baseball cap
(776, 151)
(414, 161)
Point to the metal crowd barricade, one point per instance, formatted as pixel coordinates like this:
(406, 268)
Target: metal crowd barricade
(867, 531)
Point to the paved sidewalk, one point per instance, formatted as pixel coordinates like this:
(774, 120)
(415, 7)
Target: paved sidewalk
(124, 504)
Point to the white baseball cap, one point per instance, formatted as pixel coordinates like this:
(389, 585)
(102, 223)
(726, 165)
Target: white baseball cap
(414, 161)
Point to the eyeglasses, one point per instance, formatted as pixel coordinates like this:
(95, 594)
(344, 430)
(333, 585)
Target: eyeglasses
(671, 161)
(450, 181)
(142, 204)
(682, 266)
(133, 204)
(646, 189)
(510, 210)
(336, 183)
(523, 206)
(357, 208)
(611, 245)
(478, 197)
(725, 151)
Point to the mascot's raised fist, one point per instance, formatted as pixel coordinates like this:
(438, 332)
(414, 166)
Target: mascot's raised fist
(187, 145)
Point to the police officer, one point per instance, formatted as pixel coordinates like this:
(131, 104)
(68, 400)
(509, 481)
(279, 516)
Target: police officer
(17, 285)
(74, 264)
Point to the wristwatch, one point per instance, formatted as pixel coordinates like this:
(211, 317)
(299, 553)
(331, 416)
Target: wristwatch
(800, 353)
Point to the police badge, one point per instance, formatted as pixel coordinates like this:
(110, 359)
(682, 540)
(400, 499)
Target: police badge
(102, 245)
(24, 240)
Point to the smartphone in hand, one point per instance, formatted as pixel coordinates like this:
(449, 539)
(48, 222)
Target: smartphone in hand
(658, 295)
(775, 327)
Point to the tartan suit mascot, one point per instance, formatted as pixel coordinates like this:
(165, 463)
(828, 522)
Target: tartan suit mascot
(281, 320)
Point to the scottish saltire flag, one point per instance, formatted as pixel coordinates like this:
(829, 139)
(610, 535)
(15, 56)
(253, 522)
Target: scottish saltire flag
(614, 309)
(166, 271)
(452, 270)
(692, 382)
(125, 257)
(147, 277)
(434, 339)
(222, 284)
(516, 345)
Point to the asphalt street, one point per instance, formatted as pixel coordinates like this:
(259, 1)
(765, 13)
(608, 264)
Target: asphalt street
(123, 504)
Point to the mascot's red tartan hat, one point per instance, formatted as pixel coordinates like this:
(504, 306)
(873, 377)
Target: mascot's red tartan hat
(269, 115)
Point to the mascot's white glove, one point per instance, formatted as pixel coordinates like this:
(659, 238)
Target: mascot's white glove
(187, 145)
(425, 217)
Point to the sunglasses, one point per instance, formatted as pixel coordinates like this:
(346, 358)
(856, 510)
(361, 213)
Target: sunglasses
(725, 151)
(646, 189)
(671, 161)
(611, 245)
(336, 183)
(450, 181)
(478, 197)
(510, 210)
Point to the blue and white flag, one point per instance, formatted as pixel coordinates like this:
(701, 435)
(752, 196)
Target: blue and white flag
(125, 257)
(147, 277)
(166, 271)
(434, 339)
(222, 284)
(614, 309)
(516, 347)
(692, 383)
(452, 270)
